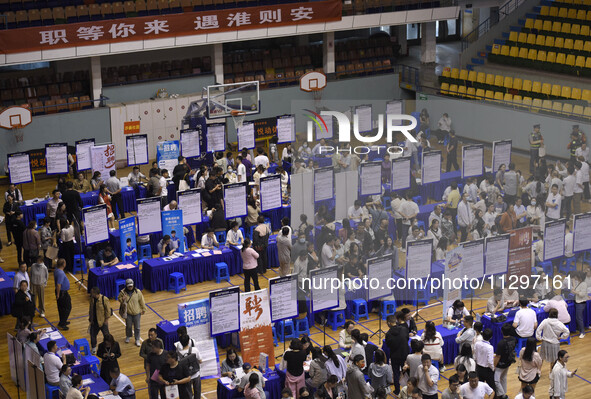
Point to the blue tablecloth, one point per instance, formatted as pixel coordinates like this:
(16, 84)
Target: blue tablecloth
(276, 215)
(98, 384)
(425, 211)
(29, 211)
(273, 385)
(105, 279)
(323, 161)
(155, 271)
(435, 190)
(166, 331)
(83, 367)
(6, 293)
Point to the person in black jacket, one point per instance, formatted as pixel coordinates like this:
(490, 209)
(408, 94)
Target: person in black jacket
(181, 172)
(73, 201)
(9, 209)
(410, 322)
(370, 348)
(18, 230)
(397, 341)
(23, 303)
(328, 390)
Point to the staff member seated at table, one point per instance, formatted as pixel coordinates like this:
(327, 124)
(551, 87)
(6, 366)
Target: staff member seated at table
(106, 257)
(130, 254)
(52, 364)
(345, 340)
(495, 303)
(248, 372)
(234, 235)
(526, 320)
(457, 311)
(81, 184)
(232, 362)
(77, 392)
(121, 384)
(165, 247)
(172, 206)
(510, 298)
(135, 177)
(208, 240)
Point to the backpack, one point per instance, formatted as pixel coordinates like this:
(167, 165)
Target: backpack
(190, 361)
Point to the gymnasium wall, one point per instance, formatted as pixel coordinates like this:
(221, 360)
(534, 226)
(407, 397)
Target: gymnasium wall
(486, 123)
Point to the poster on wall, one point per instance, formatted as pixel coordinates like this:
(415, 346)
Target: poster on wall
(103, 159)
(137, 149)
(225, 311)
(189, 202)
(56, 159)
(256, 335)
(196, 316)
(172, 225)
(285, 129)
(96, 224)
(83, 160)
(216, 137)
(167, 154)
(190, 143)
(501, 154)
(19, 168)
(246, 136)
(127, 240)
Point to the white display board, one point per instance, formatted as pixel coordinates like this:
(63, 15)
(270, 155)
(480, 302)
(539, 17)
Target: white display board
(473, 261)
(190, 143)
(19, 168)
(83, 160)
(284, 297)
(501, 153)
(224, 307)
(363, 114)
(103, 159)
(235, 200)
(324, 296)
(419, 258)
(270, 192)
(370, 178)
(285, 129)
(189, 202)
(137, 149)
(323, 184)
(582, 232)
(379, 269)
(56, 159)
(431, 167)
(454, 265)
(496, 255)
(324, 130)
(216, 137)
(400, 174)
(246, 138)
(148, 215)
(554, 239)
(96, 224)
(394, 108)
(472, 160)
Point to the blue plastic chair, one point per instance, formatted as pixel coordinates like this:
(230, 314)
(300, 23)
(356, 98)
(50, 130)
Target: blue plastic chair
(40, 218)
(176, 282)
(359, 309)
(82, 346)
(336, 318)
(421, 225)
(275, 341)
(424, 295)
(11, 275)
(145, 251)
(79, 263)
(418, 200)
(285, 330)
(548, 267)
(93, 363)
(220, 236)
(221, 272)
(568, 265)
(302, 326)
(388, 309)
(119, 285)
(587, 257)
(52, 392)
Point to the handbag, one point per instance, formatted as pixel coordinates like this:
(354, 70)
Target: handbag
(123, 307)
(542, 151)
(51, 253)
(190, 361)
(183, 185)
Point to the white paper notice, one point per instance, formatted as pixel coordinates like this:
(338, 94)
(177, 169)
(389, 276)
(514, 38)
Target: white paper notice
(96, 224)
(270, 192)
(148, 215)
(246, 136)
(501, 154)
(323, 184)
(235, 200)
(216, 137)
(324, 296)
(363, 113)
(207, 348)
(473, 261)
(190, 203)
(472, 160)
(83, 160)
(137, 150)
(431, 167)
(371, 178)
(496, 254)
(582, 233)
(394, 108)
(379, 269)
(400, 174)
(19, 168)
(190, 143)
(418, 258)
(56, 158)
(285, 129)
(225, 311)
(284, 297)
(554, 239)
(324, 132)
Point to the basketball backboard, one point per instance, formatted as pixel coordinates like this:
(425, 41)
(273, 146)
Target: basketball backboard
(224, 98)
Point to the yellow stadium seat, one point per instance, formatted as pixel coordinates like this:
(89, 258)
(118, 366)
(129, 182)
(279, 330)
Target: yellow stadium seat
(508, 97)
(536, 87)
(517, 83)
(585, 30)
(496, 49)
(575, 93)
(563, 13)
(557, 106)
(540, 40)
(581, 14)
(565, 28)
(527, 85)
(531, 39)
(578, 45)
(505, 50)
(572, 13)
(471, 93)
(462, 91)
(455, 73)
(444, 88)
(556, 90)
(559, 42)
(565, 92)
(514, 52)
(517, 99)
(556, 26)
(568, 44)
(513, 36)
(588, 15)
(498, 80)
(523, 52)
(498, 96)
(587, 47)
(547, 26)
(489, 95)
(553, 12)
(445, 73)
(481, 78)
(464, 74)
(536, 104)
(453, 90)
(575, 29)
(588, 63)
(549, 41)
(545, 10)
(529, 23)
(567, 108)
(490, 79)
(587, 112)
(578, 110)
(542, 56)
(508, 82)
(472, 76)
(522, 38)
(560, 58)
(551, 57)
(480, 94)
(538, 24)
(527, 101)
(570, 60)
(580, 61)
(546, 88)
(532, 54)
(586, 95)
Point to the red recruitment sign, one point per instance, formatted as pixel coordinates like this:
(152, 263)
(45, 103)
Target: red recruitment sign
(171, 25)
(131, 127)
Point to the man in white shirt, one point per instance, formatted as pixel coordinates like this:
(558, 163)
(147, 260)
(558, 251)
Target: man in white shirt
(568, 190)
(527, 392)
(520, 212)
(465, 217)
(444, 125)
(484, 358)
(446, 193)
(578, 190)
(21, 275)
(408, 210)
(582, 151)
(318, 147)
(135, 177)
(240, 169)
(553, 202)
(52, 364)
(475, 389)
(526, 321)
(355, 212)
(121, 384)
(328, 253)
(261, 158)
(428, 376)
(171, 207)
(585, 177)
(561, 306)
(164, 186)
(568, 242)
(435, 215)
(471, 189)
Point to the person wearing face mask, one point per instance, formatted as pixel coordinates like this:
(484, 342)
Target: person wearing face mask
(231, 176)
(305, 152)
(535, 214)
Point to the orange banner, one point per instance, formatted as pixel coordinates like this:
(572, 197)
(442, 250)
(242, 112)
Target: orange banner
(170, 25)
(131, 127)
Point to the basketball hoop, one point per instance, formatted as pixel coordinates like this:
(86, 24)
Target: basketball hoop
(15, 118)
(313, 82)
(238, 118)
(317, 94)
(19, 133)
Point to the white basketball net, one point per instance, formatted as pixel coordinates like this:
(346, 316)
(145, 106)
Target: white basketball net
(238, 119)
(19, 133)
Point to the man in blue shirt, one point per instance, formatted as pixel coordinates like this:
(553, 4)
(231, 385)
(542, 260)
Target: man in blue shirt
(64, 302)
(121, 385)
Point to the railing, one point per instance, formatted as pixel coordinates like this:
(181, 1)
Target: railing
(66, 107)
(409, 77)
(485, 26)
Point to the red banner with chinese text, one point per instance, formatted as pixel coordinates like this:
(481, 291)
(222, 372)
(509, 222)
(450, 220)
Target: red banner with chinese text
(256, 334)
(170, 25)
(520, 243)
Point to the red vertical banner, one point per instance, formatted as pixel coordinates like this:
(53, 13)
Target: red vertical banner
(256, 334)
(520, 243)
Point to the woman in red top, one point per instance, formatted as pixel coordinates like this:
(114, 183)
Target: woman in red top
(249, 264)
(105, 198)
(508, 220)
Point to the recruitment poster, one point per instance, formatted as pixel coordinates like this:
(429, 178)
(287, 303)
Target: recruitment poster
(419, 258)
(454, 271)
(127, 232)
(364, 120)
(284, 297)
(496, 255)
(95, 223)
(323, 295)
(256, 334)
(19, 168)
(56, 159)
(148, 215)
(172, 225)
(400, 174)
(167, 154)
(235, 200)
(270, 192)
(554, 239)
(431, 167)
(582, 232)
(103, 159)
(501, 154)
(323, 184)
(137, 149)
(246, 137)
(83, 160)
(190, 143)
(520, 252)
(225, 311)
(473, 255)
(379, 269)
(216, 137)
(189, 202)
(285, 129)
(472, 160)
(370, 178)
